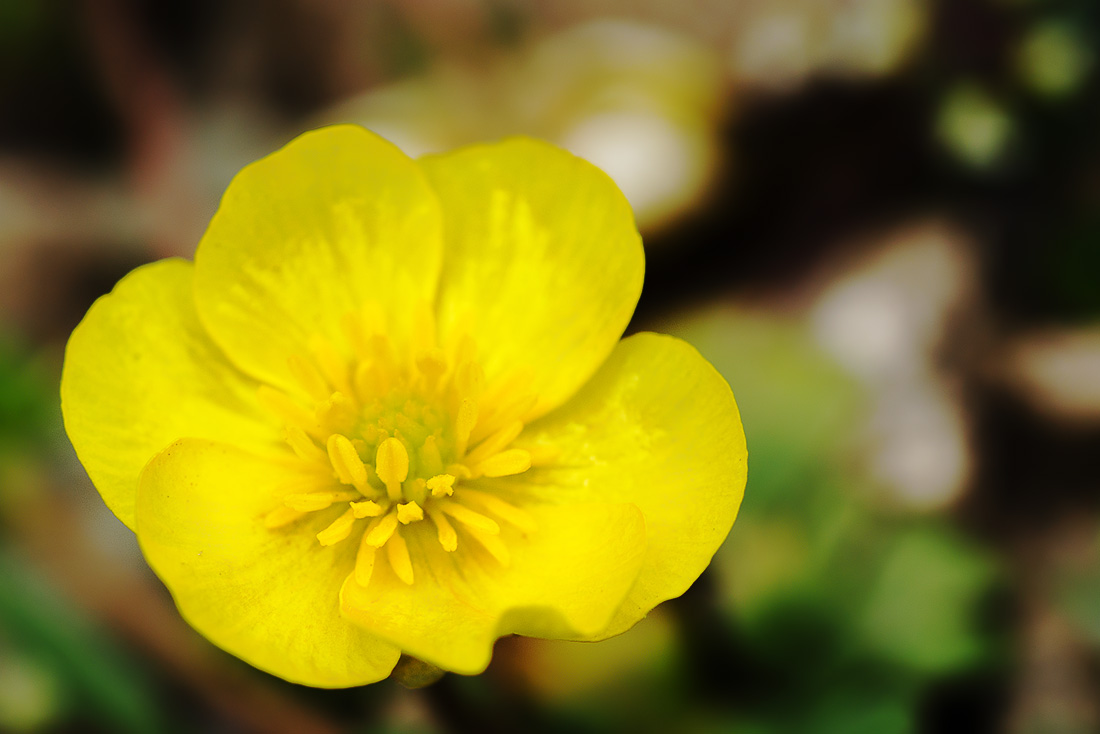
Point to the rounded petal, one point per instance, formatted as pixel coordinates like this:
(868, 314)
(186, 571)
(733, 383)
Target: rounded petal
(270, 597)
(140, 372)
(543, 264)
(566, 579)
(336, 220)
(656, 426)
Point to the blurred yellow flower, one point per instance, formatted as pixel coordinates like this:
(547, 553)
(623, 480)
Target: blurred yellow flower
(387, 410)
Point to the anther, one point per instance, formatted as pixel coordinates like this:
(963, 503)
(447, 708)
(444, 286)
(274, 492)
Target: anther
(392, 465)
(338, 530)
(464, 423)
(366, 509)
(466, 516)
(381, 529)
(504, 464)
(442, 485)
(409, 512)
(346, 462)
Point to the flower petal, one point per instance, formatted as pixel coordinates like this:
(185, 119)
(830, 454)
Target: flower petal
(566, 579)
(656, 426)
(336, 220)
(270, 597)
(543, 263)
(140, 372)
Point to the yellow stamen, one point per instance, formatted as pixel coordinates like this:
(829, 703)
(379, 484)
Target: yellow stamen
(464, 423)
(409, 512)
(280, 517)
(504, 464)
(392, 465)
(495, 443)
(367, 508)
(431, 462)
(448, 538)
(303, 445)
(381, 529)
(504, 510)
(466, 516)
(346, 462)
(313, 501)
(364, 562)
(442, 485)
(398, 552)
(338, 530)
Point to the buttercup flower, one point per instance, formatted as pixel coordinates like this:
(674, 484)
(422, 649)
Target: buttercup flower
(387, 410)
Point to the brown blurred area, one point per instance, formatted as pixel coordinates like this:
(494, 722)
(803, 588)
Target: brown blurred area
(879, 219)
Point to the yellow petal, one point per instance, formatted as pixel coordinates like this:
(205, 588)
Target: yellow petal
(656, 426)
(566, 580)
(336, 219)
(267, 596)
(140, 372)
(542, 258)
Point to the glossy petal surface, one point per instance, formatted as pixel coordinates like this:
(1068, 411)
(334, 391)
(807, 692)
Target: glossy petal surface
(337, 219)
(543, 264)
(656, 426)
(140, 372)
(566, 579)
(270, 597)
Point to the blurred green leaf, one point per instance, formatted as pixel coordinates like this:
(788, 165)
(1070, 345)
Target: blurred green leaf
(104, 684)
(922, 612)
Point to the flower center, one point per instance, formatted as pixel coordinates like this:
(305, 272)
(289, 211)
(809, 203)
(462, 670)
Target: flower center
(399, 434)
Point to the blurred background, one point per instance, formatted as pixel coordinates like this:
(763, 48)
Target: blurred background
(880, 219)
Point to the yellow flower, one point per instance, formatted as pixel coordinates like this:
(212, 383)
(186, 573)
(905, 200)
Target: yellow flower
(387, 410)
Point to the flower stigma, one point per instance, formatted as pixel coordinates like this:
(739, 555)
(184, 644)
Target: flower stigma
(396, 435)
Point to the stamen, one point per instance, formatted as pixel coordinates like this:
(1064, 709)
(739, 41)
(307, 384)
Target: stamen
(398, 552)
(392, 465)
(431, 462)
(381, 529)
(448, 538)
(409, 512)
(466, 516)
(367, 508)
(303, 445)
(495, 443)
(505, 464)
(504, 510)
(313, 501)
(281, 516)
(345, 460)
(442, 485)
(364, 562)
(464, 423)
(338, 530)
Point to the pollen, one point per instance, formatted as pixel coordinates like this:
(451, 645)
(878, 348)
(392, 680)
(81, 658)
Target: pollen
(403, 435)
